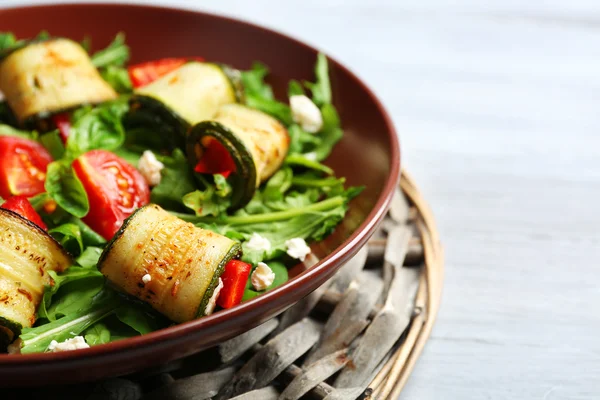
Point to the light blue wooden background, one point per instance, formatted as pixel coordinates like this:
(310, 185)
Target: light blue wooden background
(497, 104)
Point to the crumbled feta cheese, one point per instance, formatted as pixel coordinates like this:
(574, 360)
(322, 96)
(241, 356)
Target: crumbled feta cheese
(150, 168)
(262, 277)
(312, 156)
(210, 307)
(258, 243)
(147, 278)
(297, 248)
(306, 113)
(78, 342)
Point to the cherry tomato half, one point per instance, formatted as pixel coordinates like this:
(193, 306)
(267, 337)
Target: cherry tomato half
(22, 206)
(23, 165)
(146, 72)
(114, 188)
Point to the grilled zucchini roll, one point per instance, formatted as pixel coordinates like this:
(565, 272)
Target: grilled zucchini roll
(256, 142)
(190, 94)
(166, 262)
(27, 254)
(43, 78)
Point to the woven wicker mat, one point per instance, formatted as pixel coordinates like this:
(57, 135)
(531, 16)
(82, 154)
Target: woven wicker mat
(356, 337)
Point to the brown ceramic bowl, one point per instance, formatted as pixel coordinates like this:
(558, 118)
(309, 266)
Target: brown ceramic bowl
(367, 155)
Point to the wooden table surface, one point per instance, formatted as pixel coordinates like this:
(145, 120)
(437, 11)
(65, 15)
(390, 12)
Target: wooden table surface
(497, 105)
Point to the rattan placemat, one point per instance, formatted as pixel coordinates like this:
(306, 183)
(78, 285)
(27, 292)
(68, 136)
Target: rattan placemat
(356, 337)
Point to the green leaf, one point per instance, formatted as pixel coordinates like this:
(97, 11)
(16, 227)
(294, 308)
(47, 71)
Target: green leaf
(330, 134)
(274, 108)
(97, 334)
(116, 54)
(206, 202)
(88, 235)
(70, 290)
(53, 143)
(321, 89)
(86, 43)
(7, 130)
(66, 189)
(295, 88)
(278, 184)
(254, 82)
(7, 40)
(300, 160)
(177, 180)
(90, 256)
(97, 128)
(118, 78)
(222, 187)
(69, 236)
(300, 140)
(38, 339)
(140, 320)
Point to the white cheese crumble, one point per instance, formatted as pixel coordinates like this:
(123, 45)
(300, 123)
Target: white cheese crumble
(297, 248)
(150, 168)
(78, 342)
(262, 277)
(147, 278)
(306, 113)
(312, 156)
(258, 243)
(210, 307)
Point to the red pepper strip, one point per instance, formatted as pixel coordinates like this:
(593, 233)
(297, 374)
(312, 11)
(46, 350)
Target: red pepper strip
(234, 280)
(215, 160)
(63, 123)
(146, 72)
(23, 207)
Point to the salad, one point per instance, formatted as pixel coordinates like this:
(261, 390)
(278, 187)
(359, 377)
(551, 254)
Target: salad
(138, 196)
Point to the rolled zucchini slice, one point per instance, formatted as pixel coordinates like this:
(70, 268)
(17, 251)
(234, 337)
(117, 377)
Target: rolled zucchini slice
(47, 77)
(256, 142)
(27, 254)
(190, 94)
(184, 262)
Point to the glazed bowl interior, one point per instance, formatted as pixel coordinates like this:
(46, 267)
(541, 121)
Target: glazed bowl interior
(367, 155)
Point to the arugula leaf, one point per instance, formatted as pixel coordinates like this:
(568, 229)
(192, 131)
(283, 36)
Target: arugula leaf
(7, 40)
(300, 160)
(53, 143)
(177, 180)
(69, 236)
(97, 334)
(136, 317)
(90, 256)
(207, 202)
(278, 184)
(97, 128)
(7, 130)
(300, 140)
(259, 94)
(295, 88)
(117, 53)
(118, 78)
(330, 134)
(321, 89)
(88, 235)
(66, 189)
(38, 339)
(274, 108)
(254, 81)
(74, 276)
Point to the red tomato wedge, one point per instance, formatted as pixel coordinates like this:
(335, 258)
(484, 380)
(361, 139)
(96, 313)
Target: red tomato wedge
(114, 188)
(63, 123)
(234, 280)
(215, 159)
(23, 207)
(146, 72)
(23, 165)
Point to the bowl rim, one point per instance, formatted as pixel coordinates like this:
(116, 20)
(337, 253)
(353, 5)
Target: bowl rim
(339, 255)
